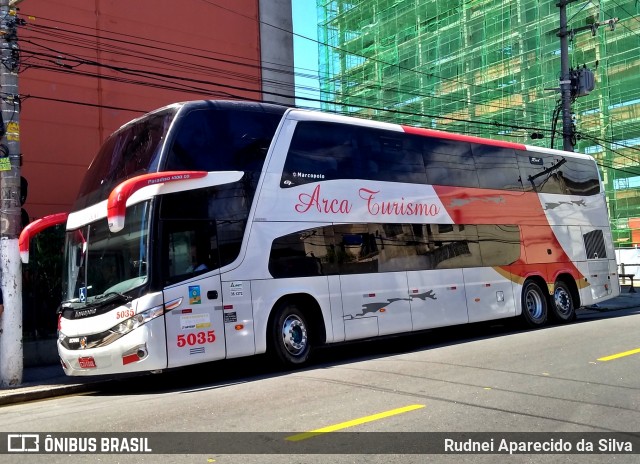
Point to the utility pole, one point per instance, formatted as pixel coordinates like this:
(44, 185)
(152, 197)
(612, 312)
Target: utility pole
(573, 83)
(565, 79)
(11, 355)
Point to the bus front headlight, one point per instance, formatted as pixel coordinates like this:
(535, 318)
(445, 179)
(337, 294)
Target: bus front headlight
(136, 321)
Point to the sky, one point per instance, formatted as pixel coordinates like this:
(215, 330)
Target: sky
(305, 52)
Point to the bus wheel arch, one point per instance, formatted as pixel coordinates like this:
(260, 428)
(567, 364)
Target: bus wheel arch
(564, 300)
(535, 302)
(295, 326)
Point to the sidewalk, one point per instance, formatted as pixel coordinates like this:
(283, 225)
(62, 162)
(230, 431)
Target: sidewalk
(46, 382)
(50, 381)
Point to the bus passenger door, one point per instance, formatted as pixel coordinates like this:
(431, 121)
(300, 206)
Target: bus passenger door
(193, 293)
(194, 322)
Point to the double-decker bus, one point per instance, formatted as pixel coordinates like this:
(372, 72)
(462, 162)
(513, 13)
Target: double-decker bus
(211, 229)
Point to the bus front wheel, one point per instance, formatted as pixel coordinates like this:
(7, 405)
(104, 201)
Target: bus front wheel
(563, 309)
(290, 335)
(534, 305)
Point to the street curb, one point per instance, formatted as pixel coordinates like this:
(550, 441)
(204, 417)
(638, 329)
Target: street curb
(606, 310)
(40, 392)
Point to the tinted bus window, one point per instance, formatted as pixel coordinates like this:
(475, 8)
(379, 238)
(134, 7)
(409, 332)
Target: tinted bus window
(204, 225)
(497, 167)
(322, 151)
(356, 249)
(449, 162)
(499, 244)
(393, 156)
(547, 173)
(130, 151)
(369, 248)
(453, 246)
(222, 140)
(580, 177)
(304, 254)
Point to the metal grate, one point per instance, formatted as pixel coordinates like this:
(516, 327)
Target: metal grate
(594, 244)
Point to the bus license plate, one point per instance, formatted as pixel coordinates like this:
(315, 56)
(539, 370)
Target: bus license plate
(87, 362)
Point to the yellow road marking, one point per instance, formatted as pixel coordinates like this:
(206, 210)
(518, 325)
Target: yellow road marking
(352, 423)
(620, 355)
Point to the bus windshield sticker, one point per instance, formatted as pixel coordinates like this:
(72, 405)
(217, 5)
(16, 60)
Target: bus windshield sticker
(535, 160)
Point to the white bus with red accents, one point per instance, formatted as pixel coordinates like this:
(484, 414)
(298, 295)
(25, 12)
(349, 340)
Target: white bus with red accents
(212, 229)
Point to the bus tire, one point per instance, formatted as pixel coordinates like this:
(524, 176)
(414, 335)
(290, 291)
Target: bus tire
(563, 308)
(534, 305)
(290, 335)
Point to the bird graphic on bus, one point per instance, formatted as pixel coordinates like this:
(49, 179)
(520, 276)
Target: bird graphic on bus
(381, 306)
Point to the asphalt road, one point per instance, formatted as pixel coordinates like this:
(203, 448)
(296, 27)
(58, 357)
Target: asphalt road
(480, 378)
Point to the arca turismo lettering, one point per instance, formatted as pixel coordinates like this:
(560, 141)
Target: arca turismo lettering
(375, 207)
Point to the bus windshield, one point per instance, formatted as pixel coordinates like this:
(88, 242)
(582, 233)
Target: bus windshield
(130, 151)
(99, 263)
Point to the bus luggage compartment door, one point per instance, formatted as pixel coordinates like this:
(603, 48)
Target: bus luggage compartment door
(195, 328)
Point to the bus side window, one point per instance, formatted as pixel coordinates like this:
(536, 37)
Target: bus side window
(318, 151)
(580, 177)
(497, 167)
(306, 253)
(196, 145)
(532, 171)
(449, 162)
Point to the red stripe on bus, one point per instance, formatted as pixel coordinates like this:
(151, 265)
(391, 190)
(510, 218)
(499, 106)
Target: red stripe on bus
(484, 206)
(117, 201)
(462, 138)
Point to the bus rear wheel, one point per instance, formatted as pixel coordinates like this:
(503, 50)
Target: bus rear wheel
(563, 309)
(534, 305)
(290, 335)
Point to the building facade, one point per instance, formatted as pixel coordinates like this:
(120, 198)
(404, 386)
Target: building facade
(491, 68)
(87, 67)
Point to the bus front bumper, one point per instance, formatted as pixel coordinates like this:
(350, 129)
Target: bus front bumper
(136, 351)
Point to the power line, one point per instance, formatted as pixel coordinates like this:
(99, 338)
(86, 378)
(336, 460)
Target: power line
(353, 54)
(408, 91)
(170, 78)
(383, 109)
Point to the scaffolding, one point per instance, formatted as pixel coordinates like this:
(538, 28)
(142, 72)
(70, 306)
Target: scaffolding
(489, 68)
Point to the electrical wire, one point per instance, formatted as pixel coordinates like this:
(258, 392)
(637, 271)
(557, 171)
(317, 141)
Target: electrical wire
(411, 92)
(414, 114)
